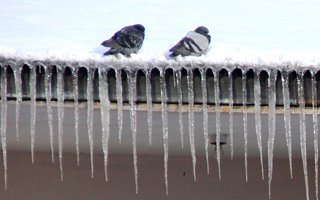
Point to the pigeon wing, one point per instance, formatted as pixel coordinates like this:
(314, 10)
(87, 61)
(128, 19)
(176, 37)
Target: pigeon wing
(179, 46)
(130, 38)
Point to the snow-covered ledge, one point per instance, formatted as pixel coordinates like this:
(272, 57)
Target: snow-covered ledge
(148, 72)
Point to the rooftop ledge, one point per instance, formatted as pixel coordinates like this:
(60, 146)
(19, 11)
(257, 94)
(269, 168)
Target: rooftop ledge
(230, 76)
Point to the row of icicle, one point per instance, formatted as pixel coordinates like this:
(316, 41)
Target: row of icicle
(132, 78)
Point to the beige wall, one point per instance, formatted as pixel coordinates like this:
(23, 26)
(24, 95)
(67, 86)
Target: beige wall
(41, 180)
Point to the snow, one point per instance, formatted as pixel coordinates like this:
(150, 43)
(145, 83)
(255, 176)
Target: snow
(261, 30)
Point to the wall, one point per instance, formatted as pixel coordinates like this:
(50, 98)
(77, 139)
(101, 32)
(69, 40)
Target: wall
(41, 180)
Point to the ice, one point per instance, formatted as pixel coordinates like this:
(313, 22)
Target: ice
(119, 102)
(164, 109)
(245, 121)
(17, 78)
(105, 116)
(76, 112)
(33, 109)
(179, 92)
(231, 112)
(4, 108)
(90, 114)
(257, 108)
(48, 92)
(303, 130)
(287, 115)
(132, 81)
(60, 97)
(205, 113)
(149, 104)
(315, 133)
(191, 121)
(218, 120)
(272, 123)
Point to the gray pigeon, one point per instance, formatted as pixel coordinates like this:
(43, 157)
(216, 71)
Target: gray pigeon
(126, 41)
(195, 43)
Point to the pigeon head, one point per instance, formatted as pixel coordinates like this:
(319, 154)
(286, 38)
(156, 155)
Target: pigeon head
(139, 27)
(202, 30)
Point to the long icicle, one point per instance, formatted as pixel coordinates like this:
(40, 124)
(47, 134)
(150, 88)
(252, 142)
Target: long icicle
(164, 110)
(149, 104)
(272, 123)
(76, 112)
(287, 115)
(231, 112)
(48, 92)
(132, 81)
(4, 108)
(245, 121)
(257, 108)
(105, 119)
(119, 102)
(315, 133)
(60, 97)
(17, 78)
(205, 114)
(303, 130)
(191, 121)
(90, 114)
(33, 109)
(218, 119)
(178, 74)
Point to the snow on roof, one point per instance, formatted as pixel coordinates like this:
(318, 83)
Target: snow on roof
(253, 32)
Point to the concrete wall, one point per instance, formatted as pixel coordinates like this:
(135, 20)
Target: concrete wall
(41, 180)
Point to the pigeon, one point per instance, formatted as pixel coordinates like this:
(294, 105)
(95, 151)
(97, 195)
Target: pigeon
(195, 43)
(126, 41)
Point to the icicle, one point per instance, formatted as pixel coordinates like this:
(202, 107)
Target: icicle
(272, 123)
(257, 108)
(245, 121)
(105, 119)
(149, 104)
(303, 130)
(218, 119)
(60, 97)
(33, 109)
(174, 80)
(315, 133)
(76, 112)
(287, 115)
(90, 114)
(191, 121)
(132, 81)
(178, 73)
(119, 102)
(17, 77)
(164, 109)
(205, 113)
(48, 89)
(231, 112)
(4, 108)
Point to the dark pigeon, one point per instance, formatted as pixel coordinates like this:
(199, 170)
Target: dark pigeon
(126, 41)
(195, 43)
